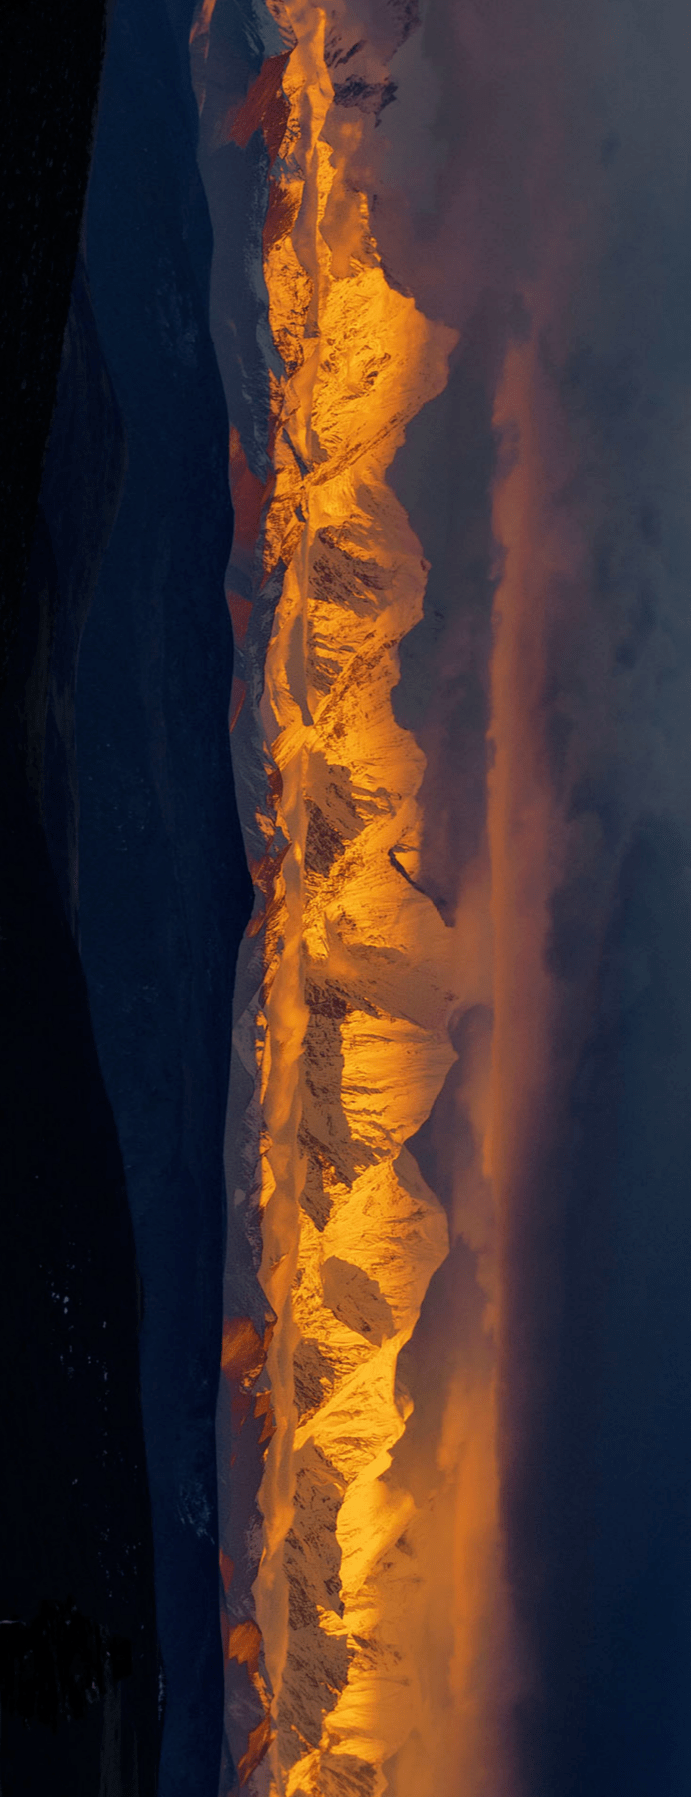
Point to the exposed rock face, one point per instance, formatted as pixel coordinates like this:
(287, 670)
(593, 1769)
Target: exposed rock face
(345, 986)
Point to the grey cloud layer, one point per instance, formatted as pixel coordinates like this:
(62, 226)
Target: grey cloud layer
(538, 182)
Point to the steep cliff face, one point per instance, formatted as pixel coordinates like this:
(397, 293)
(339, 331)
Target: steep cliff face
(346, 983)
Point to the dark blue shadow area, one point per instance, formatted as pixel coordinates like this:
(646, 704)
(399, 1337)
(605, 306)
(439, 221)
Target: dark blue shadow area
(50, 64)
(164, 889)
(78, 1655)
(600, 1533)
(76, 1554)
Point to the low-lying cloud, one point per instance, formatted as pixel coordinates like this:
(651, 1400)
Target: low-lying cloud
(532, 190)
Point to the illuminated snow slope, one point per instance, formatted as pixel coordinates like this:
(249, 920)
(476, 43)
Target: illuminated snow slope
(346, 982)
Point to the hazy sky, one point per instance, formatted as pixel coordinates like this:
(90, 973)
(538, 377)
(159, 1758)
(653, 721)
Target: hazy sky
(532, 183)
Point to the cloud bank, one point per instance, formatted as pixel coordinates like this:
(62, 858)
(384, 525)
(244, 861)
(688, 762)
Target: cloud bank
(532, 191)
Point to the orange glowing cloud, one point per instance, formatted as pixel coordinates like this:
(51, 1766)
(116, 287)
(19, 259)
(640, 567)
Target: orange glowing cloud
(523, 858)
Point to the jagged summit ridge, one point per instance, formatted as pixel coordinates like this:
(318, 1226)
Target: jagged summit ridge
(345, 981)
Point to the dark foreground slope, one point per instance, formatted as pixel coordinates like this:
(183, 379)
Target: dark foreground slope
(74, 1514)
(78, 1656)
(50, 60)
(164, 891)
(164, 896)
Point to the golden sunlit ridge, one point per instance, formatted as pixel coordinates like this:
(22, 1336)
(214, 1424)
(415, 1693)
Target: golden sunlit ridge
(353, 978)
